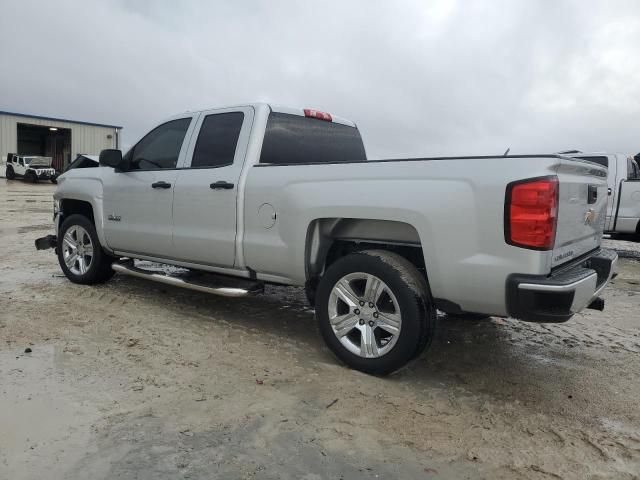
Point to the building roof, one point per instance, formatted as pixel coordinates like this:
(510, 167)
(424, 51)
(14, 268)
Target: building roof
(54, 119)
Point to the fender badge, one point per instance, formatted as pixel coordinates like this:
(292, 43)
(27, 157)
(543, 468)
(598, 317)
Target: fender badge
(114, 218)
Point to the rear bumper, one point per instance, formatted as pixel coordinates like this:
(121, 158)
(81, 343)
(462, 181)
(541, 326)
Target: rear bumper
(568, 290)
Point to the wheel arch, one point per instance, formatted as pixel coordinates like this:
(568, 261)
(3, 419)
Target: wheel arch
(331, 238)
(83, 206)
(72, 206)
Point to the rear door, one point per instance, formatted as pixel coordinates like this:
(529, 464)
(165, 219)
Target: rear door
(21, 167)
(138, 202)
(582, 208)
(628, 213)
(206, 194)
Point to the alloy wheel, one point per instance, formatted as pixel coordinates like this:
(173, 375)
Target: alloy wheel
(364, 315)
(77, 250)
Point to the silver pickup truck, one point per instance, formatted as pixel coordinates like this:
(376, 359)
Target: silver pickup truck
(242, 196)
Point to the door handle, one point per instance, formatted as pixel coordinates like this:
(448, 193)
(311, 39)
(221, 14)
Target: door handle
(221, 185)
(609, 191)
(160, 184)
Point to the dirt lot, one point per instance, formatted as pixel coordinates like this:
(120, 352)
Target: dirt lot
(136, 380)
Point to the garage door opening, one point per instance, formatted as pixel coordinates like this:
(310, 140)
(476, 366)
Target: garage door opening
(46, 142)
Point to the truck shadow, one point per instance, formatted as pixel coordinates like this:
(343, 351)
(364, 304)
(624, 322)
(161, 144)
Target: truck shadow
(503, 358)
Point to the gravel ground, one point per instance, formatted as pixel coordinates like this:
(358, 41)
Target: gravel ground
(135, 380)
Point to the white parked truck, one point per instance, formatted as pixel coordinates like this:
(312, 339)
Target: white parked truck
(30, 167)
(256, 194)
(623, 211)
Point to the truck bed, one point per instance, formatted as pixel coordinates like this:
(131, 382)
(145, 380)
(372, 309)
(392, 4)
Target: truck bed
(453, 203)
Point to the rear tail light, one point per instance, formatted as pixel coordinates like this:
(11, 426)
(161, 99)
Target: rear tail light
(316, 114)
(531, 213)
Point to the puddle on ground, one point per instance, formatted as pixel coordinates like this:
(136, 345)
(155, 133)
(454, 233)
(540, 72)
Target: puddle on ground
(44, 428)
(27, 229)
(33, 228)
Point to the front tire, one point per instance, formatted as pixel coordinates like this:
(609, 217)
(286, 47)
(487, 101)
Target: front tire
(31, 177)
(80, 254)
(374, 311)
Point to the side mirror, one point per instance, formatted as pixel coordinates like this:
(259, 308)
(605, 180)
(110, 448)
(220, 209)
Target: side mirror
(111, 158)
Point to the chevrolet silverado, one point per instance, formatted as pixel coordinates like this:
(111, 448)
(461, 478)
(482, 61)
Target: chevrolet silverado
(237, 197)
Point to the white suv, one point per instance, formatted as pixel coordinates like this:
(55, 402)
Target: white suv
(31, 168)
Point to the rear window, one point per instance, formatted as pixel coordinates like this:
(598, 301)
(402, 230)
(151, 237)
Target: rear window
(296, 139)
(604, 161)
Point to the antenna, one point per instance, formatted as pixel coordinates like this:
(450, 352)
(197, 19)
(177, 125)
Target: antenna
(507, 152)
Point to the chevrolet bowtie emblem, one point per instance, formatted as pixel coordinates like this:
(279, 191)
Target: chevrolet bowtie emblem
(590, 216)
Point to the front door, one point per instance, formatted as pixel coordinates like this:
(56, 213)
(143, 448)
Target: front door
(206, 193)
(138, 202)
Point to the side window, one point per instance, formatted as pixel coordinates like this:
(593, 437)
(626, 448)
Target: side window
(159, 148)
(21, 161)
(217, 140)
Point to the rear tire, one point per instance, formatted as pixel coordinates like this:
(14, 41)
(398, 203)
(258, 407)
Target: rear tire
(78, 237)
(374, 311)
(10, 174)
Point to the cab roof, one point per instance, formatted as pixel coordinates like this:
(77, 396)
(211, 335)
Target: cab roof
(303, 112)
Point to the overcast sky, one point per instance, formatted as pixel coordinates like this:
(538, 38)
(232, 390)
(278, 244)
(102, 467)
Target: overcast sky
(420, 78)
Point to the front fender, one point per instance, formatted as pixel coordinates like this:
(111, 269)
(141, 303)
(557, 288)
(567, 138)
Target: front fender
(76, 185)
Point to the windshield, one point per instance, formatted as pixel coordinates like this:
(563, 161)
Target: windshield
(38, 161)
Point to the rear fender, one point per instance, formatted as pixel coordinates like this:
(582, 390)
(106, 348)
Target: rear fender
(323, 233)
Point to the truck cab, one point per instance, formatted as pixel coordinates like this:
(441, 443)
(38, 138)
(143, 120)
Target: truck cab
(623, 179)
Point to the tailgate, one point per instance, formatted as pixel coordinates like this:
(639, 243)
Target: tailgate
(581, 209)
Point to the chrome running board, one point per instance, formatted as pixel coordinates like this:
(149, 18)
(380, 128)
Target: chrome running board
(249, 288)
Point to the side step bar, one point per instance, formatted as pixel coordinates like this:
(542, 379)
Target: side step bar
(129, 269)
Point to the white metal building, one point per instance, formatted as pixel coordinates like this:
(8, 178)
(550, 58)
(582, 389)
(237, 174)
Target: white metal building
(61, 139)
